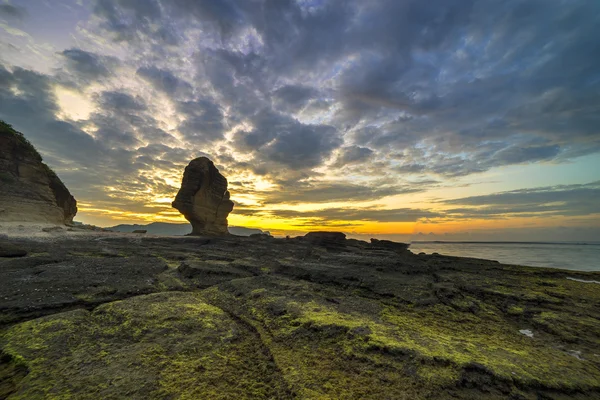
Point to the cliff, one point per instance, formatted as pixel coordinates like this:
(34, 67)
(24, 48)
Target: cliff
(29, 190)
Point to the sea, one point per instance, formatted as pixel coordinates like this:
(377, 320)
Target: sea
(570, 256)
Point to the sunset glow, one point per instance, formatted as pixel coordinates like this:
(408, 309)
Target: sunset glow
(478, 120)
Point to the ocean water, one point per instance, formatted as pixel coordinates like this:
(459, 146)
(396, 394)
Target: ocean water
(571, 256)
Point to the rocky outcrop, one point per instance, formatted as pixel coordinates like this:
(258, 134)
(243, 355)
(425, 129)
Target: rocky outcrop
(203, 198)
(29, 190)
(329, 240)
(239, 318)
(319, 236)
(389, 245)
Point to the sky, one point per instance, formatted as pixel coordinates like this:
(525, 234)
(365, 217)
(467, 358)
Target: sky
(408, 119)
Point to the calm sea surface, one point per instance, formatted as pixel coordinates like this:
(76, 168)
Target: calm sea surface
(580, 257)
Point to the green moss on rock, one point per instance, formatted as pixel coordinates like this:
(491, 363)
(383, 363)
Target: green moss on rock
(166, 345)
(331, 345)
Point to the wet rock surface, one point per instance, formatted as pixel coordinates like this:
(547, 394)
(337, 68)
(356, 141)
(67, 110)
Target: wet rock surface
(131, 316)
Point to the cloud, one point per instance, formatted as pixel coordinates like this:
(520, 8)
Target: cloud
(277, 138)
(120, 101)
(353, 155)
(204, 120)
(566, 200)
(292, 98)
(102, 168)
(307, 93)
(89, 66)
(358, 214)
(164, 80)
(12, 12)
(135, 21)
(324, 192)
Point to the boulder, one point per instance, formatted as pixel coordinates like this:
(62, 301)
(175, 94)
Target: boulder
(329, 240)
(29, 190)
(204, 199)
(329, 236)
(389, 245)
(11, 250)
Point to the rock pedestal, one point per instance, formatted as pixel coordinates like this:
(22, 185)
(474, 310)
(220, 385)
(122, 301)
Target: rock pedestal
(29, 190)
(204, 199)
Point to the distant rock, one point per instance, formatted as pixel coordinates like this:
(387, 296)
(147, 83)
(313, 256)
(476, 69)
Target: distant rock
(177, 229)
(261, 236)
(242, 231)
(29, 190)
(204, 199)
(140, 231)
(328, 236)
(389, 245)
(329, 240)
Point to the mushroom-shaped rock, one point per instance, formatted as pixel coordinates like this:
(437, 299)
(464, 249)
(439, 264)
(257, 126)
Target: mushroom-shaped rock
(203, 198)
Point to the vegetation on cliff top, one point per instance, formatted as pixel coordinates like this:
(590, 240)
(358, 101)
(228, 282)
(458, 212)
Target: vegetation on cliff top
(7, 129)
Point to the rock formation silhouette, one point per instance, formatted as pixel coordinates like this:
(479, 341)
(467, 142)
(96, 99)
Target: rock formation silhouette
(203, 198)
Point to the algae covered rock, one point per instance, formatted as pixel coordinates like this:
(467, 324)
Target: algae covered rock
(158, 346)
(203, 198)
(331, 344)
(240, 318)
(29, 190)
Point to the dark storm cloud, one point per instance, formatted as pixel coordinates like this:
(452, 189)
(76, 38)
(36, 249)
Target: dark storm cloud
(302, 146)
(225, 14)
(353, 155)
(278, 138)
(568, 200)
(89, 66)
(204, 120)
(164, 80)
(121, 101)
(113, 132)
(9, 11)
(135, 20)
(446, 75)
(292, 98)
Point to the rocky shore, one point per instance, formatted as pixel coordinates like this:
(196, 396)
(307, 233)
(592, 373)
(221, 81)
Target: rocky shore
(123, 316)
